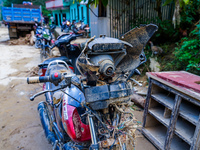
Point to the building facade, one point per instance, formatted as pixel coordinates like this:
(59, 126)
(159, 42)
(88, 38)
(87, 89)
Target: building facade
(68, 9)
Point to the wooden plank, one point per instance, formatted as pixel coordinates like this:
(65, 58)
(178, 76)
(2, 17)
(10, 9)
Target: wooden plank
(186, 91)
(182, 79)
(186, 97)
(178, 144)
(158, 114)
(167, 113)
(185, 130)
(151, 121)
(196, 138)
(156, 135)
(172, 123)
(164, 99)
(189, 112)
(153, 103)
(147, 102)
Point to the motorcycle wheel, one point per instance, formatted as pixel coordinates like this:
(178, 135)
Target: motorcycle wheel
(37, 44)
(45, 53)
(41, 55)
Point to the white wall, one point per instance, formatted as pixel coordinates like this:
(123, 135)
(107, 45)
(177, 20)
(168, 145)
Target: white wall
(99, 25)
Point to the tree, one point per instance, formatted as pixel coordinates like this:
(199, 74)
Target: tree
(7, 3)
(96, 2)
(186, 11)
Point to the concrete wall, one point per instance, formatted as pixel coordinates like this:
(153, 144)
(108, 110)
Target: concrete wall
(72, 11)
(76, 13)
(99, 25)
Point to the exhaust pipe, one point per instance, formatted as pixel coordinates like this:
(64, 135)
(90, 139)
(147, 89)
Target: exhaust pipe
(44, 118)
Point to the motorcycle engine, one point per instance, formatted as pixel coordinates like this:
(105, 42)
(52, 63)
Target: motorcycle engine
(101, 57)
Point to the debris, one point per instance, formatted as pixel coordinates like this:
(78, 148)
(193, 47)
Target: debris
(33, 71)
(22, 40)
(154, 65)
(55, 52)
(21, 93)
(31, 38)
(12, 86)
(137, 99)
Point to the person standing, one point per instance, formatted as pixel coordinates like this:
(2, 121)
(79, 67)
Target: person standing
(52, 19)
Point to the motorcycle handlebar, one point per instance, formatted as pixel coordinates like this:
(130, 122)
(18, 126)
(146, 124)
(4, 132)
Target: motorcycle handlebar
(54, 78)
(32, 80)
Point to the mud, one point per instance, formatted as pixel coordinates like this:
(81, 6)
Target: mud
(20, 127)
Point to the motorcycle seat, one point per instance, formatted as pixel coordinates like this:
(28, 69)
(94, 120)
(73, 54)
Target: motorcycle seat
(46, 62)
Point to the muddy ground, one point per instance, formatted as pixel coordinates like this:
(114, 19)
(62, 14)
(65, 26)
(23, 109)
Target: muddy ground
(20, 127)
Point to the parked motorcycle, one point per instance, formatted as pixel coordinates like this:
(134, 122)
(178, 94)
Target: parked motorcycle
(93, 112)
(71, 51)
(66, 25)
(38, 35)
(47, 41)
(80, 27)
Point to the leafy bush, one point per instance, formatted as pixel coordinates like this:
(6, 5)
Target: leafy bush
(188, 52)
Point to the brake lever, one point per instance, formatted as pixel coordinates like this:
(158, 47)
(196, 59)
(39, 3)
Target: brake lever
(43, 92)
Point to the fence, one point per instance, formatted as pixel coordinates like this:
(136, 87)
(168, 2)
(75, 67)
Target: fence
(126, 14)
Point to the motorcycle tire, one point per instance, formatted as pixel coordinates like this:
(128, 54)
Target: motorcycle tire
(37, 44)
(41, 55)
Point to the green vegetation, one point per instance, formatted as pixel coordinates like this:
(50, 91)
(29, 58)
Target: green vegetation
(188, 52)
(181, 45)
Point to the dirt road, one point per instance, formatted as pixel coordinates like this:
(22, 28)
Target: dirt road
(20, 127)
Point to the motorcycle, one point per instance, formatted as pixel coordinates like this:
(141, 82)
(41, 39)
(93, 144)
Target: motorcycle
(71, 51)
(38, 34)
(65, 26)
(80, 27)
(93, 112)
(47, 41)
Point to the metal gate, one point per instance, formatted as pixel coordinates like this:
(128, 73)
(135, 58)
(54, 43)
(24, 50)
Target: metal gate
(126, 14)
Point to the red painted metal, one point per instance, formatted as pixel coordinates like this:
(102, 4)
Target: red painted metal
(55, 74)
(67, 119)
(180, 78)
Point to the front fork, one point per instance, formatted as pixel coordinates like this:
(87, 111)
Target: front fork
(94, 145)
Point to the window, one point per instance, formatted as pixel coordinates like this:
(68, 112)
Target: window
(78, 5)
(74, 14)
(56, 19)
(101, 10)
(82, 15)
(64, 16)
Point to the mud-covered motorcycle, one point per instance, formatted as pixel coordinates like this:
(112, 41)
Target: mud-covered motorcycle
(93, 112)
(47, 41)
(38, 34)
